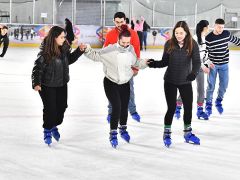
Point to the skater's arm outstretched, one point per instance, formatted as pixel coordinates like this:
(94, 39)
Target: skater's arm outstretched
(160, 64)
(235, 40)
(73, 56)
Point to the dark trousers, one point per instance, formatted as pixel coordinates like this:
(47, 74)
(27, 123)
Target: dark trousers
(140, 36)
(54, 105)
(187, 99)
(118, 96)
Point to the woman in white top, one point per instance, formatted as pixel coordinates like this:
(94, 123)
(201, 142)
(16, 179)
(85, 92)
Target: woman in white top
(118, 60)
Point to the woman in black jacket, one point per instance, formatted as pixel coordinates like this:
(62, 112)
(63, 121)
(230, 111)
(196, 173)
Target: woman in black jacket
(50, 76)
(4, 39)
(181, 55)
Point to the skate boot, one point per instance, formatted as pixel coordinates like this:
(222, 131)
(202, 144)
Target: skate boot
(113, 138)
(136, 116)
(109, 118)
(55, 133)
(201, 114)
(167, 138)
(208, 108)
(191, 138)
(124, 133)
(178, 111)
(47, 136)
(218, 104)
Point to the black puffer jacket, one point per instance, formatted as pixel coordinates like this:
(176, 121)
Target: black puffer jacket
(180, 65)
(55, 73)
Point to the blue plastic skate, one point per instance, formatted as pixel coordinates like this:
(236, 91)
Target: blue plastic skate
(136, 116)
(55, 133)
(167, 140)
(201, 114)
(178, 112)
(124, 133)
(47, 136)
(113, 139)
(191, 138)
(208, 108)
(218, 104)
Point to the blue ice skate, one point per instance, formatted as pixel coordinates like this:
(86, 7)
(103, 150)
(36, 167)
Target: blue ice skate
(47, 136)
(218, 104)
(55, 133)
(113, 138)
(167, 138)
(124, 133)
(178, 112)
(201, 114)
(208, 108)
(191, 138)
(136, 116)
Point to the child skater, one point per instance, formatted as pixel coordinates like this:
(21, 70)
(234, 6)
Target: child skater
(181, 55)
(50, 76)
(118, 60)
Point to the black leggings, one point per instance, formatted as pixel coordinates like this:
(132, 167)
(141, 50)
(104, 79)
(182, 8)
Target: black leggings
(118, 96)
(187, 99)
(54, 105)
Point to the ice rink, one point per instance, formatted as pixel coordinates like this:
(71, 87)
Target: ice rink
(84, 151)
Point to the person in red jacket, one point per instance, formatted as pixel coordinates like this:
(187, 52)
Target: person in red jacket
(112, 38)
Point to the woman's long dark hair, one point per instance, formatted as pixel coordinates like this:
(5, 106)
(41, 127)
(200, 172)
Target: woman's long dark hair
(50, 48)
(188, 41)
(199, 29)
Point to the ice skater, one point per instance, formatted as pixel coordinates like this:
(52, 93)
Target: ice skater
(218, 52)
(181, 55)
(117, 60)
(4, 39)
(112, 38)
(50, 76)
(201, 32)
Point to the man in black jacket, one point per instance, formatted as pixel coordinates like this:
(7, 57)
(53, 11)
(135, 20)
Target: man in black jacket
(4, 39)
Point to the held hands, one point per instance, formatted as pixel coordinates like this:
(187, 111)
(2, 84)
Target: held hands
(37, 88)
(206, 68)
(151, 63)
(191, 77)
(82, 47)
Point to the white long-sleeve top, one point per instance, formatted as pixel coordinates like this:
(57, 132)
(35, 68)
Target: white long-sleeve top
(203, 52)
(117, 61)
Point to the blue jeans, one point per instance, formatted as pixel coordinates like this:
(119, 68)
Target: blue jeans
(145, 39)
(131, 104)
(222, 71)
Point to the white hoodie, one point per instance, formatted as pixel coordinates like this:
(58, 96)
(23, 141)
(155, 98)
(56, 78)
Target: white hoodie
(117, 61)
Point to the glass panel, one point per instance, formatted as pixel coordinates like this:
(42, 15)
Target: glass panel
(210, 14)
(22, 11)
(164, 14)
(44, 12)
(88, 12)
(115, 6)
(4, 11)
(185, 11)
(63, 10)
(231, 17)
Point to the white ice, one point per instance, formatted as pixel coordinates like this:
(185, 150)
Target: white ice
(84, 151)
